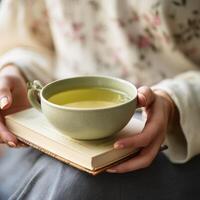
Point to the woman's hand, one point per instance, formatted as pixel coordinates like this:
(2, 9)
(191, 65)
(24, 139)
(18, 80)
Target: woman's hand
(13, 98)
(159, 108)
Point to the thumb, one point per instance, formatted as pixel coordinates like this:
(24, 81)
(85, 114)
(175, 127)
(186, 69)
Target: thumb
(5, 96)
(145, 96)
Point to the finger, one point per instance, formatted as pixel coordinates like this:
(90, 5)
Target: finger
(5, 94)
(6, 136)
(152, 128)
(145, 96)
(143, 160)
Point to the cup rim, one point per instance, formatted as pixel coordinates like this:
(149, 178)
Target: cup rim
(89, 109)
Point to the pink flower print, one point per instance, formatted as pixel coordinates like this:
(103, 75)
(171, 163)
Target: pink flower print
(143, 42)
(121, 23)
(76, 31)
(152, 20)
(124, 72)
(82, 38)
(156, 21)
(134, 17)
(77, 26)
(117, 54)
(97, 33)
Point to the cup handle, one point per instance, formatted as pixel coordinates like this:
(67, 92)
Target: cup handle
(34, 88)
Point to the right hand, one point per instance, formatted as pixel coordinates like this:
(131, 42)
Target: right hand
(13, 98)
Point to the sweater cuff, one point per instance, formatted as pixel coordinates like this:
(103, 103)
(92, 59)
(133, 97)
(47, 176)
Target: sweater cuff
(177, 137)
(29, 63)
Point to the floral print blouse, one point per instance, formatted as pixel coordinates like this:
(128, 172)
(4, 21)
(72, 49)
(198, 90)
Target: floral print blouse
(141, 41)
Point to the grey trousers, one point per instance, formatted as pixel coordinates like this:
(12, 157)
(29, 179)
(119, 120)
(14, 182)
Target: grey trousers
(27, 174)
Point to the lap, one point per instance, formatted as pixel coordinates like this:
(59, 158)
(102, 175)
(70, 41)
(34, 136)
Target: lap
(29, 174)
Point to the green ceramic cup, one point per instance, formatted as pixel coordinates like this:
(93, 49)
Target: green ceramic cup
(84, 124)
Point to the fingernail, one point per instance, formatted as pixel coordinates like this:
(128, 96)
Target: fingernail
(3, 102)
(111, 170)
(12, 144)
(118, 146)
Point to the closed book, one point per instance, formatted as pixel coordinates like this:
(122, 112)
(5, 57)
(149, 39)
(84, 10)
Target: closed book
(94, 156)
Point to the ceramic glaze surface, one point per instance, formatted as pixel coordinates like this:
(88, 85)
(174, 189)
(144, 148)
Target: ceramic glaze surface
(87, 123)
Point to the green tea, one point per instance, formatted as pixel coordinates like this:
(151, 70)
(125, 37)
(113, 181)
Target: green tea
(94, 97)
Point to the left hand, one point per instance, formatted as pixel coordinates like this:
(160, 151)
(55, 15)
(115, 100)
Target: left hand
(159, 108)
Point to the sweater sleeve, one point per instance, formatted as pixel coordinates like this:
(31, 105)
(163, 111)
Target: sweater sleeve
(183, 137)
(25, 38)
